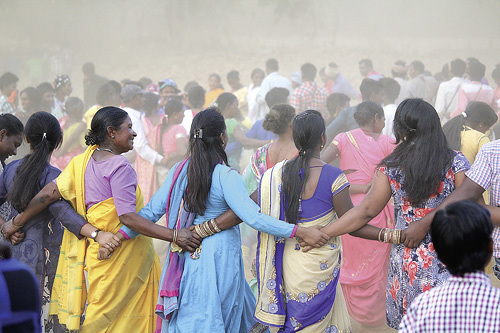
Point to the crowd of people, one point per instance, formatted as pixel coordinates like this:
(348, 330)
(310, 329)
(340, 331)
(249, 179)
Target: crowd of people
(351, 213)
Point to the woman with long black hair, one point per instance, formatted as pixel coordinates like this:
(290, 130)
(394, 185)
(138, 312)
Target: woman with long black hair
(206, 291)
(36, 242)
(419, 174)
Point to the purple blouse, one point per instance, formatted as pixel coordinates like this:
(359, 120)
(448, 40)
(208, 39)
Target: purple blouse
(113, 177)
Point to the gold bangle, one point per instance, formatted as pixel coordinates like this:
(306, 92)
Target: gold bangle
(380, 234)
(215, 225)
(200, 231)
(15, 225)
(209, 231)
(174, 240)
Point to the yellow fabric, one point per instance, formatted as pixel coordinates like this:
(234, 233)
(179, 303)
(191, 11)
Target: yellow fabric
(123, 289)
(90, 114)
(211, 96)
(293, 260)
(68, 132)
(241, 95)
(472, 141)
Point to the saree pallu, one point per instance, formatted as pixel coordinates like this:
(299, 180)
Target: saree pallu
(123, 289)
(297, 291)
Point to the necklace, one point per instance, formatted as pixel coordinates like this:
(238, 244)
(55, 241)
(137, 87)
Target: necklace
(106, 149)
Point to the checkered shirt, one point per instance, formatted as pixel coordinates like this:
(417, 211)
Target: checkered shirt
(486, 172)
(462, 304)
(309, 97)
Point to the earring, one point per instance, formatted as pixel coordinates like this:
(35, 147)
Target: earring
(321, 146)
(223, 143)
(112, 137)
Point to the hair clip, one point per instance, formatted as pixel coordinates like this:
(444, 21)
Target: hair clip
(198, 133)
(464, 114)
(302, 153)
(44, 136)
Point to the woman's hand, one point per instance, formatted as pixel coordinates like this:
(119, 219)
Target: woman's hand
(8, 230)
(17, 237)
(415, 233)
(108, 240)
(312, 236)
(103, 253)
(188, 239)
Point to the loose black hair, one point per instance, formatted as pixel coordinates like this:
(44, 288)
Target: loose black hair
(366, 111)
(44, 134)
(423, 154)
(206, 151)
(308, 127)
(475, 113)
(461, 234)
(109, 116)
(476, 70)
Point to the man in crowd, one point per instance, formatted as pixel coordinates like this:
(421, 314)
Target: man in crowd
(371, 90)
(133, 99)
(391, 93)
(420, 85)
(309, 96)
(367, 71)
(467, 302)
(91, 83)
(447, 95)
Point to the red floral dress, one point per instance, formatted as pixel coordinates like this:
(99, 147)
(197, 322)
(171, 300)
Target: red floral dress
(413, 271)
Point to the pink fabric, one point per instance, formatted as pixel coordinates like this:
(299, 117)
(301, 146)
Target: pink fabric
(168, 140)
(364, 270)
(146, 172)
(124, 234)
(112, 177)
(294, 231)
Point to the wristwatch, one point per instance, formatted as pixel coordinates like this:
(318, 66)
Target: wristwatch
(94, 233)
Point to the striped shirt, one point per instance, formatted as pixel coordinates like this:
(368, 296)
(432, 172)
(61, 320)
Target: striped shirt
(486, 172)
(462, 304)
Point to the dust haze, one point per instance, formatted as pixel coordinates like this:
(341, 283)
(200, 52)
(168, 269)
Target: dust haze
(189, 39)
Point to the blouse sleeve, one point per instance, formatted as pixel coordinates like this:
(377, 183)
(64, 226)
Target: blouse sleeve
(238, 200)
(460, 163)
(123, 184)
(70, 219)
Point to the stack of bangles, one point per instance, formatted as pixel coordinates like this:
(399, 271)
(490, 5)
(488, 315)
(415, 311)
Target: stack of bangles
(207, 228)
(392, 236)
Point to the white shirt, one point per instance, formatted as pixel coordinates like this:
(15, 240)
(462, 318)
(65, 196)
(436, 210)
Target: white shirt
(422, 86)
(447, 97)
(389, 113)
(273, 80)
(187, 120)
(141, 145)
(253, 106)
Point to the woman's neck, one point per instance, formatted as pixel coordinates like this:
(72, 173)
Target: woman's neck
(368, 130)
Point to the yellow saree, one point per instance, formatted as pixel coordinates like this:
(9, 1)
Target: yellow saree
(122, 290)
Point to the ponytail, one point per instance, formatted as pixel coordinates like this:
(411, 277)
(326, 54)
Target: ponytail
(44, 134)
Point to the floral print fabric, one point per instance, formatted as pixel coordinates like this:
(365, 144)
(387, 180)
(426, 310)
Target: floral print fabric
(413, 271)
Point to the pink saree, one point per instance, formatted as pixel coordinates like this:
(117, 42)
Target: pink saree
(364, 271)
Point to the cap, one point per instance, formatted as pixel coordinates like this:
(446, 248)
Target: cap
(128, 92)
(168, 82)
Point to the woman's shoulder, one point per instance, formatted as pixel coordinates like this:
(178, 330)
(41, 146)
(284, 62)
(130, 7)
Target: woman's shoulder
(331, 171)
(115, 163)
